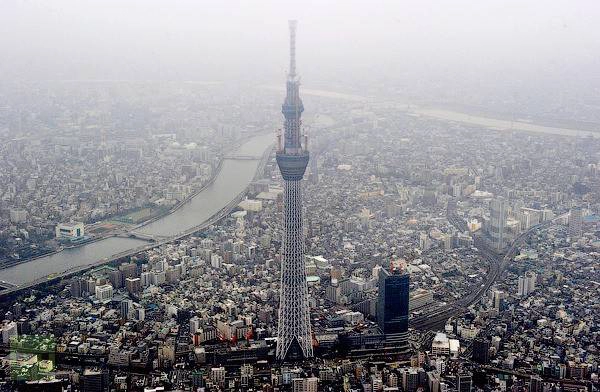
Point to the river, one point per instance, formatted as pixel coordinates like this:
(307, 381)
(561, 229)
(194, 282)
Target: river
(450, 115)
(234, 177)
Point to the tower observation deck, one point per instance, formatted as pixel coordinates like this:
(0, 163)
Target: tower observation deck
(294, 337)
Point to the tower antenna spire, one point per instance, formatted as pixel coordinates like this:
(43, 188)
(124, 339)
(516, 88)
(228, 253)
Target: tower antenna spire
(292, 71)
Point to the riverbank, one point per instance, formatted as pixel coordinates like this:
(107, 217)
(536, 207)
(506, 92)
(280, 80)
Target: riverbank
(59, 250)
(81, 259)
(180, 204)
(121, 232)
(188, 198)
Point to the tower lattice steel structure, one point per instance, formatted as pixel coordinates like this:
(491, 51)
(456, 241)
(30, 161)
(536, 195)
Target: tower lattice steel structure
(294, 331)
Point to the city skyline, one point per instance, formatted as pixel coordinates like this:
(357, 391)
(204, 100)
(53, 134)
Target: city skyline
(161, 229)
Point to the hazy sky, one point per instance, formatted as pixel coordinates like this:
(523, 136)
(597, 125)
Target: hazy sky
(213, 40)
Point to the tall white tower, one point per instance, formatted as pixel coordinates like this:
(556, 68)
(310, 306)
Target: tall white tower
(294, 337)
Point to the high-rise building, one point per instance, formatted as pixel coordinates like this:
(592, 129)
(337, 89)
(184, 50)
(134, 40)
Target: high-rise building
(377, 384)
(104, 292)
(310, 384)
(116, 278)
(392, 305)
(146, 278)
(498, 299)
(140, 314)
(433, 381)
(76, 287)
(194, 324)
(481, 351)
(94, 381)
(133, 285)
(7, 331)
(531, 278)
(217, 375)
(536, 384)
(90, 285)
(522, 287)
(129, 270)
(392, 380)
(294, 338)
(126, 308)
(411, 379)
(526, 284)
(464, 382)
(575, 224)
(198, 379)
(246, 373)
(497, 229)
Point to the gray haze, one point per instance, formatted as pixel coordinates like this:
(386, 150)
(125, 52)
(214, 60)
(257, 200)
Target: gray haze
(420, 49)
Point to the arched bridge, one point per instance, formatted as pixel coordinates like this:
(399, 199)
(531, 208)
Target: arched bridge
(142, 236)
(242, 157)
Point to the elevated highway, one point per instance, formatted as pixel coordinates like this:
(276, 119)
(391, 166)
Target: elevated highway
(436, 319)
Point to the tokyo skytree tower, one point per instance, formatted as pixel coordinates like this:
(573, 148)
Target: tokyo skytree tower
(294, 337)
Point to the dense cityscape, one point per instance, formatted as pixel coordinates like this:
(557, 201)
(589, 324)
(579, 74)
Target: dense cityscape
(178, 237)
(123, 154)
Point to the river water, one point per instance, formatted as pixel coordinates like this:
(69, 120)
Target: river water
(234, 176)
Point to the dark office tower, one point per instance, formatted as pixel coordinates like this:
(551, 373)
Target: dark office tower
(498, 213)
(126, 307)
(481, 351)
(128, 270)
(536, 384)
(76, 287)
(294, 338)
(116, 278)
(94, 381)
(133, 285)
(411, 380)
(392, 306)
(464, 383)
(575, 223)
